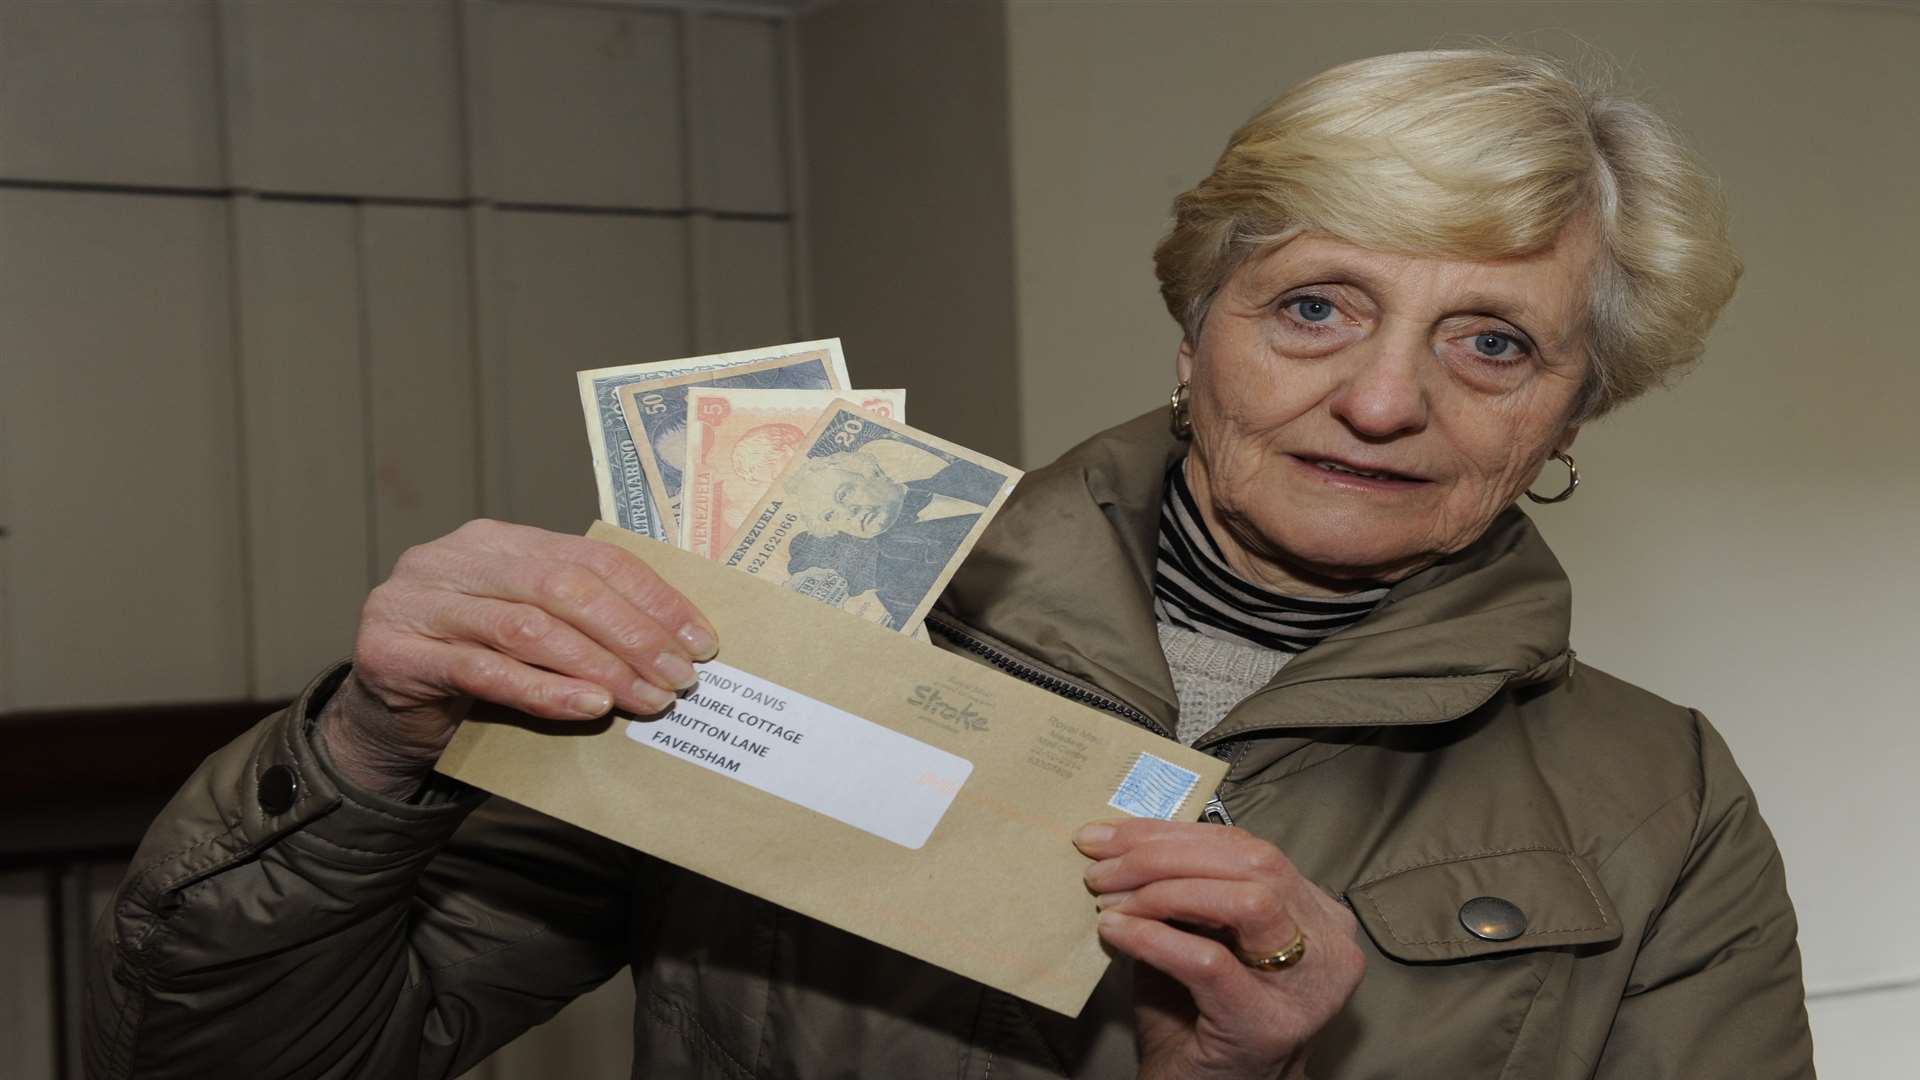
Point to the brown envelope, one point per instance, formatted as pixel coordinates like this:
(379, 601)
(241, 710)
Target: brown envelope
(852, 774)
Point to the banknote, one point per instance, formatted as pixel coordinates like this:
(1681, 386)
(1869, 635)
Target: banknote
(739, 440)
(656, 415)
(871, 516)
(618, 475)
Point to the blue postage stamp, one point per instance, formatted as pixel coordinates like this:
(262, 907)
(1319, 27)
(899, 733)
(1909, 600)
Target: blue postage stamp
(1154, 788)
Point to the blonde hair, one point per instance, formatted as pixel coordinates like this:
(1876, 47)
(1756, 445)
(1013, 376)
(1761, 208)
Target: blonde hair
(1475, 154)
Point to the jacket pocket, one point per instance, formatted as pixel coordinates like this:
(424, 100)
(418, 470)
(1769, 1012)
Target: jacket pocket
(703, 981)
(1516, 899)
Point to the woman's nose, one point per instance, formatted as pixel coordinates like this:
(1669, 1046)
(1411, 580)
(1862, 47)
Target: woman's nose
(1383, 394)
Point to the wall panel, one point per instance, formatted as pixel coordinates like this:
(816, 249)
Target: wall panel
(110, 93)
(737, 115)
(576, 105)
(356, 98)
(26, 981)
(306, 436)
(422, 400)
(117, 436)
(7, 562)
(222, 419)
(744, 283)
(1867, 1036)
(909, 231)
(571, 291)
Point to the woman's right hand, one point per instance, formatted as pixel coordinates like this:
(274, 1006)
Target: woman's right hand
(555, 626)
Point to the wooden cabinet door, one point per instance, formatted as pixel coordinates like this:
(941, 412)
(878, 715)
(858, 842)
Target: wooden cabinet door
(118, 421)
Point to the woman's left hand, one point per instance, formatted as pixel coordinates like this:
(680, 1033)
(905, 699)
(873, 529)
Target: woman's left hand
(1200, 1011)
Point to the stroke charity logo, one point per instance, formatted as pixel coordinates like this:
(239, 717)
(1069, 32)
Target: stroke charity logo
(952, 715)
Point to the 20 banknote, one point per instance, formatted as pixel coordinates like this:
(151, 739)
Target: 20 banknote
(768, 461)
(739, 441)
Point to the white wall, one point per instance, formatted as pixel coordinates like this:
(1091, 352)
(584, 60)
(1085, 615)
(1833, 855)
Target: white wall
(1744, 543)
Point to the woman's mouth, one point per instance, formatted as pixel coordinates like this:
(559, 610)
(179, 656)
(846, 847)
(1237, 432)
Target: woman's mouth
(1352, 471)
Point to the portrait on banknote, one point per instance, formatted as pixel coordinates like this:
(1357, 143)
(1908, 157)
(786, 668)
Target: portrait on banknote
(871, 516)
(739, 441)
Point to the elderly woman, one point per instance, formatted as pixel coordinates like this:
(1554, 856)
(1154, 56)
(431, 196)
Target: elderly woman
(1444, 847)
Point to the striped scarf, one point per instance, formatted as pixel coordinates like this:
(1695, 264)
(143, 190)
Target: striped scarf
(1194, 589)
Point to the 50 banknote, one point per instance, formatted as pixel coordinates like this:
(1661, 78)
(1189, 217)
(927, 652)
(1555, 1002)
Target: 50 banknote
(739, 441)
(871, 516)
(620, 478)
(656, 416)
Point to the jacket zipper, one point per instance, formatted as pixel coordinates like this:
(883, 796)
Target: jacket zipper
(1029, 674)
(1215, 811)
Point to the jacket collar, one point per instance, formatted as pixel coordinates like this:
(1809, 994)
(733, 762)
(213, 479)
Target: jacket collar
(1063, 578)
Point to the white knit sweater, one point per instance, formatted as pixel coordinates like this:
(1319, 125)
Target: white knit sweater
(1211, 676)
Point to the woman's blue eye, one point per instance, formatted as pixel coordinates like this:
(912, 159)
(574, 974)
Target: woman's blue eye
(1496, 346)
(1311, 308)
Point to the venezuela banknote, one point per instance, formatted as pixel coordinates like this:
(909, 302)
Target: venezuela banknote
(738, 441)
(871, 516)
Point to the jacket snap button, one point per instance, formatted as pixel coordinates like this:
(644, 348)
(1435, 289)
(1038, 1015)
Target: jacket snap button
(1490, 918)
(278, 786)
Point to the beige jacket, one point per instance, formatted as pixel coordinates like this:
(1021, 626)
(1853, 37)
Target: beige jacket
(1448, 747)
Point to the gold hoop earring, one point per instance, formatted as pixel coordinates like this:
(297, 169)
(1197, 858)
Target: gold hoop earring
(1180, 419)
(1573, 481)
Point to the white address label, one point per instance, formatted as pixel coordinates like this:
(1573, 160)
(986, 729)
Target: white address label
(809, 753)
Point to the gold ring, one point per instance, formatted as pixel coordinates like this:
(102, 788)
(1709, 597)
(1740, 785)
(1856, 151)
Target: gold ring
(1285, 958)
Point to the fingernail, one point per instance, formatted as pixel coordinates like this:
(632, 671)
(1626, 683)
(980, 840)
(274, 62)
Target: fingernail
(1112, 899)
(699, 641)
(589, 702)
(652, 699)
(1101, 869)
(1092, 834)
(674, 668)
(1110, 919)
